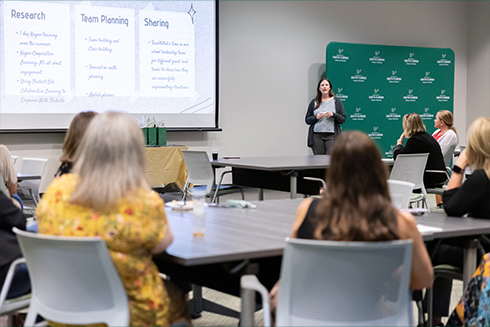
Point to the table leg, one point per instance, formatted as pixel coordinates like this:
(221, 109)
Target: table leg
(261, 194)
(248, 307)
(469, 261)
(293, 183)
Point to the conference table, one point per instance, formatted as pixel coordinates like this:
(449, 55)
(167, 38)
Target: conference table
(234, 234)
(277, 173)
(281, 173)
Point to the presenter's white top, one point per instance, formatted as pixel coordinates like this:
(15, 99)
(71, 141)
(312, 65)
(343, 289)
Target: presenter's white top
(325, 125)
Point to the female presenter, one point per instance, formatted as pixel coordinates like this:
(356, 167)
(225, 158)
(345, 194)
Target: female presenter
(325, 114)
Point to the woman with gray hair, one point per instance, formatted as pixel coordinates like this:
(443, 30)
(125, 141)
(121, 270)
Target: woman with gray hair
(107, 195)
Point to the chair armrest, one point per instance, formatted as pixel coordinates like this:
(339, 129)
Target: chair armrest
(8, 279)
(219, 185)
(317, 180)
(439, 172)
(250, 282)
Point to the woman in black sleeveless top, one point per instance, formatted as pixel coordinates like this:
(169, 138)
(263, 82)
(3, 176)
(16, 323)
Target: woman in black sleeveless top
(357, 206)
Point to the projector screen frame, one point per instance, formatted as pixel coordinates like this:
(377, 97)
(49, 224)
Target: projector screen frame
(216, 127)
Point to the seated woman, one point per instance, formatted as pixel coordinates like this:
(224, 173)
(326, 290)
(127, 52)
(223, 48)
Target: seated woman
(419, 141)
(73, 137)
(9, 174)
(471, 197)
(108, 196)
(445, 134)
(11, 216)
(357, 206)
(472, 308)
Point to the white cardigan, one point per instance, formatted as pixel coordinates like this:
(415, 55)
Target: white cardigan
(446, 140)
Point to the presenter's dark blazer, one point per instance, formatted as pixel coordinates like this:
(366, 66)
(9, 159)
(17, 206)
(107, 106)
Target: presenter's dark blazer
(339, 118)
(10, 216)
(423, 142)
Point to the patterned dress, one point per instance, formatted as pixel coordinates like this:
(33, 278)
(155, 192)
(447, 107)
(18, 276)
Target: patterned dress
(474, 307)
(130, 231)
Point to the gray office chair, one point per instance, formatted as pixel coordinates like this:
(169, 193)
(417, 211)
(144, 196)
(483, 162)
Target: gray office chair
(11, 306)
(328, 283)
(447, 161)
(201, 174)
(32, 166)
(410, 168)
(73, 280)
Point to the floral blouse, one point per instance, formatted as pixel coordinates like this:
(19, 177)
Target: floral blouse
(130, 231)
(474, 307)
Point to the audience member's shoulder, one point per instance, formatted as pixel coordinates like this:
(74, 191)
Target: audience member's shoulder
(153, 198)
(479, 175)
(407, 225)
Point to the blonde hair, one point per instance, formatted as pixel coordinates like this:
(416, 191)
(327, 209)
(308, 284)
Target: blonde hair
(6, 167)
(412, 123)
(478, 150)
(447, 118)
(110, 161)
(74, 135)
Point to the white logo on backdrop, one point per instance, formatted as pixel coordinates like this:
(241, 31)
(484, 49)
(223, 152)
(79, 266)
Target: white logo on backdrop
(427, 79)
(393, 78)
(393, 115)
(443, 61)
(443, 97)
(377, 59)
(389, 154)
(375, 135)
(340, 95)
(358, 77)
(376, 97)
(411, 61)
(340, 57)
(426, 115)
(410, 97)
(358, 116)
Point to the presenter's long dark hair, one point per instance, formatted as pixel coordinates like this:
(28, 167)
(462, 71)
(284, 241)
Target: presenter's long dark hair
(357, 206)
(318, 97)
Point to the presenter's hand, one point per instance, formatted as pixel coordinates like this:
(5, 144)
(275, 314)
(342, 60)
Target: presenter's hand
(328, 114)
(320, 115)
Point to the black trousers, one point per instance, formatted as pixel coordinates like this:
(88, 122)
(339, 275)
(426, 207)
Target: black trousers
(322, 143)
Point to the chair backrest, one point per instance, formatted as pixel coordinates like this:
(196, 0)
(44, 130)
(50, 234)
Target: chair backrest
(73, 280)
(199, 169)
(410, 168)
(3, 187)
(32, 166)
(400, 193)
(328, 283)
(449, 155)
(14, 159)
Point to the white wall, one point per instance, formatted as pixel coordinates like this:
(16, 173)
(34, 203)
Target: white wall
(272, 54)
(478, 87)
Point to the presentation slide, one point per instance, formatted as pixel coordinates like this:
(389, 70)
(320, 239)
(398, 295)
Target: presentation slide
(155, 59)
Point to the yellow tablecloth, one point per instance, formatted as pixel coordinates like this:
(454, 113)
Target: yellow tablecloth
(165, 165)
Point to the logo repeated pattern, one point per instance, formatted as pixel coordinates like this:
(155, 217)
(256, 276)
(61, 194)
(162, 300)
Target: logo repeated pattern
(379, 84)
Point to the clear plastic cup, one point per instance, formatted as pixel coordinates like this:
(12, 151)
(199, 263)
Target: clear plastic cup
(199, 211)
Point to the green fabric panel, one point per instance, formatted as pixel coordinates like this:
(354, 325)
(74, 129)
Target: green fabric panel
(379, 84)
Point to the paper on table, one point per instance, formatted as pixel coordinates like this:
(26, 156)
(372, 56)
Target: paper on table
(423, 229)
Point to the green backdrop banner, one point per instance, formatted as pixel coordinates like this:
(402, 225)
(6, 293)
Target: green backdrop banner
(379, 84)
